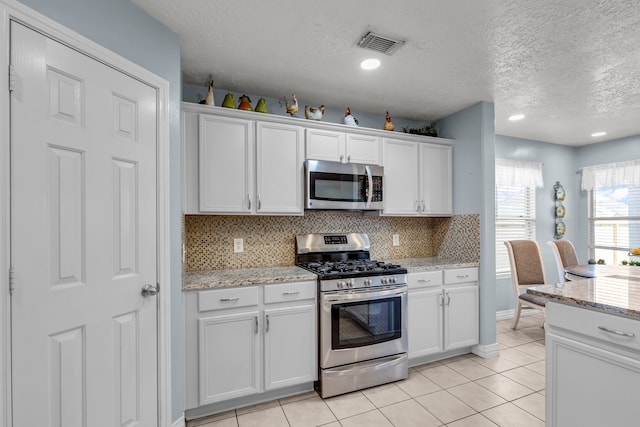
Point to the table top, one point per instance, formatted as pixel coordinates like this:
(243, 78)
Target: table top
(599, 270)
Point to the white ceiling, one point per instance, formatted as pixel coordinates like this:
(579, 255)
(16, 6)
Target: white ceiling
(571, 66)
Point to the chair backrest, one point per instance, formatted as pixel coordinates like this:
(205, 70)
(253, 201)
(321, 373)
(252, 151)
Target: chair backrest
(527, 268)
(565, 255)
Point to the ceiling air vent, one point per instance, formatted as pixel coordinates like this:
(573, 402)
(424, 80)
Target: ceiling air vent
(379, 43)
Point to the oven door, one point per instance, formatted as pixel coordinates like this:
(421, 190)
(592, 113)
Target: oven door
(362, 324)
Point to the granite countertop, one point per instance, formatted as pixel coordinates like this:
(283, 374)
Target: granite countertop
(209, 279)
(193, 280)
(414, 265)
(617, 294)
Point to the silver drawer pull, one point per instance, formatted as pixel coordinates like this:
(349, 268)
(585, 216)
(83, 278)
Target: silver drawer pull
(622, 334)
(424, 281)
(462, 276)
(229, 299)
(291, 293)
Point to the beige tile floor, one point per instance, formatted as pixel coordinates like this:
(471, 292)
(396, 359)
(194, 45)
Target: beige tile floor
(464, 391)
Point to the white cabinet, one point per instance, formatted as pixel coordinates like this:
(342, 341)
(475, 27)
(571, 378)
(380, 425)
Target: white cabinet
(443, 311)
(342, 147)
(418, 178)
(592, 367)
(246, 340)
(240, 166)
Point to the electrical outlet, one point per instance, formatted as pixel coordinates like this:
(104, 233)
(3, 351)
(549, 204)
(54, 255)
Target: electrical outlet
(396, 240)
(238, 245)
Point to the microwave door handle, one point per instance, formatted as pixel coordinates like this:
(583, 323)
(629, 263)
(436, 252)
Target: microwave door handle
(367, 168)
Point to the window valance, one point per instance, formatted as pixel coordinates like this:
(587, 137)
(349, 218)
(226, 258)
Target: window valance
(610, 174)
(518, 172)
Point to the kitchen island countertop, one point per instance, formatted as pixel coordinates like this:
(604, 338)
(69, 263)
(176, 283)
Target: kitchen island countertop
(209, 279)
(414, 265)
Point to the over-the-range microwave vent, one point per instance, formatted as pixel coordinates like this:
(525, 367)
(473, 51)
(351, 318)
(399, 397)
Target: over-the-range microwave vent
(379, 43)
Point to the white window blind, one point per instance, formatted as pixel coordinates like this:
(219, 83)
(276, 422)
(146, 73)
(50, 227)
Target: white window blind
(515, 198)
(614, 210)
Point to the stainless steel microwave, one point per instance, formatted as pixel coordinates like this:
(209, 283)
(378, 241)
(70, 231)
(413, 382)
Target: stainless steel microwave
(343, 186)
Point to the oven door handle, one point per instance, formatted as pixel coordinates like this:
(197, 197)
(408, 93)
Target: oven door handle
(365, 294)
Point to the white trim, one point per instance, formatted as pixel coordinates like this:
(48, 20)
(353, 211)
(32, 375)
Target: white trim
(486, 351)
(180, 422)
(11, 9)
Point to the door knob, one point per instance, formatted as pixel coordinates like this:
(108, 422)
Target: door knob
(150, 290)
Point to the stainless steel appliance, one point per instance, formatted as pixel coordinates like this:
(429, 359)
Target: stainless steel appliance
(343, 186)
(362, 313)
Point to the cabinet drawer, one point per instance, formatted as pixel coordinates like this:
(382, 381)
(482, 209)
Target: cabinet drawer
(424, 279)
(219, 299)
(608, 328)
(461, 275)
(294, 291)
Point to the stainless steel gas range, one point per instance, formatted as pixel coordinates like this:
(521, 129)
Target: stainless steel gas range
(362, 313)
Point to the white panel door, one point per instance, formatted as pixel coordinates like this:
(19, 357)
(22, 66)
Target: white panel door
(325, 145)
(83, 239)
(363, 149)
(400, 177)
(436, 179)
(425, 317)
(461, 312)
(279, 169)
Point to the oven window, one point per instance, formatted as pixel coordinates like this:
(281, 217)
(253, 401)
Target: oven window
(338, 187)
(363, 323)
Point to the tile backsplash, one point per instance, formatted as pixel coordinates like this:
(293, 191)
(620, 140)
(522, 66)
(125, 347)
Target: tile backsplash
(269, 240)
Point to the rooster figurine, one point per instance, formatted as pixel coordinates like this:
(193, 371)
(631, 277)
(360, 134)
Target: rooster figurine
(388, 124)
(292, 108)
(208, 100)
(349, 120)
(313, 113)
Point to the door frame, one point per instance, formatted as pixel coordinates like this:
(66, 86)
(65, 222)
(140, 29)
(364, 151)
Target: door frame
(12, 10)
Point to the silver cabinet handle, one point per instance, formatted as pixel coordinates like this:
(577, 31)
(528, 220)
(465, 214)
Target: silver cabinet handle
(229, 299)
(417, 206)
(422, 205)
(349, 158)
(248, 201)
(448, 299)
(341, 157)
(424, 281)
(612, 331)
(267, 323)
(440, 300)
(291, 293)
(259, 202)
(256, 327)
(462, 276)
(149, 290)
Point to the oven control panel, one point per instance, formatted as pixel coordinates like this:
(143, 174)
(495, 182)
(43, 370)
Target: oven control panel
(350, 283)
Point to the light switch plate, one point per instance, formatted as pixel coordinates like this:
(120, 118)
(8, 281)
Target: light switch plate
(396, 240)
(238, 245)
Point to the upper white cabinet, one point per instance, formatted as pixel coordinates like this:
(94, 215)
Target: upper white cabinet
(238, 166)
(342, 147)
(418, 178)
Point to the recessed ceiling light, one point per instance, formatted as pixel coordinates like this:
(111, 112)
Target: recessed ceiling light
(516, 117)
(370, 64)
(597, 134)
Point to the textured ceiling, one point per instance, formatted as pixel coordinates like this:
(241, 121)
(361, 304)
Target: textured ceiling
(571, 66)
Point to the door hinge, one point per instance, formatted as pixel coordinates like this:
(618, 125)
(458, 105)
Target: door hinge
(12, 78)
(12, 280)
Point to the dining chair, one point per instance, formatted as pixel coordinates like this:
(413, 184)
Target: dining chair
(527, 270)
(565, 255)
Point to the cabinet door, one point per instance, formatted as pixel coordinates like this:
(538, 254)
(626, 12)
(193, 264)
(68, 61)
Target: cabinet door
(229, 356)
(325, 145)
(279, 163)
(364, 149)
(226, 164)
(436, 179)
(400, 177)
(425, 329)
(589, 386)
(461, 321)
(290, 342)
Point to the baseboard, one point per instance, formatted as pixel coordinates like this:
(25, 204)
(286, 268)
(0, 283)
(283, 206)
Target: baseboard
(486, 351)
(508, 314)
(180, 422)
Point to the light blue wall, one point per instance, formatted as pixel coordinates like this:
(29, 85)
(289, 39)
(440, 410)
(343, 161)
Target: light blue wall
(559, 165)
(333, 114)
(125, 29)
(473, 184)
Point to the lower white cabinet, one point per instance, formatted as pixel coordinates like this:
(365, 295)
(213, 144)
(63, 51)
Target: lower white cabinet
(442, 311)
(249, 339)
(592, 367)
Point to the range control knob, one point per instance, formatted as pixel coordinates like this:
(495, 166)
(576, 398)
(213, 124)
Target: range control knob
(384, 280)
(392, 279)
(367, 282)
(340, 284)
(351, 283)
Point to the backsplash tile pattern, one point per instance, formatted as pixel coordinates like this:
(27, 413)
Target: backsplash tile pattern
(269, 240)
